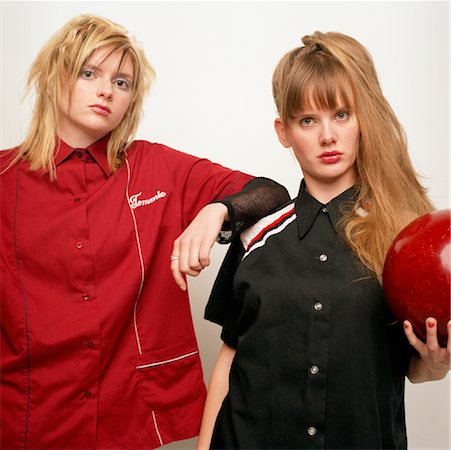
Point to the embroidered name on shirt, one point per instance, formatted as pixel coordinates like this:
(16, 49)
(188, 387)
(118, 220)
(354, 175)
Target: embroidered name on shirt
(136, 203)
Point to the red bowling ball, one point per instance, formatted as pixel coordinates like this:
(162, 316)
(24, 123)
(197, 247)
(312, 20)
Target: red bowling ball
(417, 273)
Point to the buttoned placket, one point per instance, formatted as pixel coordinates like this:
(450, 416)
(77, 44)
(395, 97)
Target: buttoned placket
(85, 276)
(317, 376)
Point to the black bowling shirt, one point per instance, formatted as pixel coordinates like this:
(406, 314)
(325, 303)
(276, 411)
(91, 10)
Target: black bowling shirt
(320, 362)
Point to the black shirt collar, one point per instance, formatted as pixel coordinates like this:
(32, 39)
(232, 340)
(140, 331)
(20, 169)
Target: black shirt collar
(307, 207)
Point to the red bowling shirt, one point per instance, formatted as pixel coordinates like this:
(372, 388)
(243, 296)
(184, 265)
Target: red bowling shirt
(97, 341)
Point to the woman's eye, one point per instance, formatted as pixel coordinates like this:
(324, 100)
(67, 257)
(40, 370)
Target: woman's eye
(306, 122)
(87, 74)
(121, 83)
(342, 115)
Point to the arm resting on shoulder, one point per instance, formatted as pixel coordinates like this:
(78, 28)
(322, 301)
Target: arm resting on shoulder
(257, 199)
(217, 390)
(431, 362)
(192, 248)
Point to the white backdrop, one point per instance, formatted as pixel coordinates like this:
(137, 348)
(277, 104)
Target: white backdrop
(212, 98)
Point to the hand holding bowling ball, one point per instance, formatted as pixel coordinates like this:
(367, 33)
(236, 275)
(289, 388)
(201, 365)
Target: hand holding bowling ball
(417, 273)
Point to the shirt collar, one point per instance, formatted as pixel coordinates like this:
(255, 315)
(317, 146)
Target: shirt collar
(98, 150)
(307, 207)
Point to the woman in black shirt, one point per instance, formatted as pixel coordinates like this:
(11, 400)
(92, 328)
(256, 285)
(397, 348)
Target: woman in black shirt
(312, 357)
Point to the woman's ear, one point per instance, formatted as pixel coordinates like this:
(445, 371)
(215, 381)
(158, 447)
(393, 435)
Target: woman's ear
(281, 132)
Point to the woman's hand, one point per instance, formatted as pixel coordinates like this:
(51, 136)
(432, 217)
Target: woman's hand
(191, 250)
(432, 362)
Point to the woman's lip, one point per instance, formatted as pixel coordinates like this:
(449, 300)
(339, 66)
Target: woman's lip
(330, 157)
(100, 109)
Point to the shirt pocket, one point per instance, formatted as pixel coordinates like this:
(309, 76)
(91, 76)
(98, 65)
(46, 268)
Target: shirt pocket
(170, 377)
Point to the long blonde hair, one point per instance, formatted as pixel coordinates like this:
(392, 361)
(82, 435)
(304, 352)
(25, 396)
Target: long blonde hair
(332, 66)
(58, 65)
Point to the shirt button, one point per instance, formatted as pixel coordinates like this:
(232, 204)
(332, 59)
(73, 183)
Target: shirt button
(318, 306)
(79, 154)
(79, 244)
(311, 431)
(85, 297)
(323, 257)
(90, 344)
(314, 370)
(88, 394)
(76, 199)
(324, 209)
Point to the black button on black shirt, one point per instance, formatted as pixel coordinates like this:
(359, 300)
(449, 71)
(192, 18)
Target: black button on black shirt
(317, 363)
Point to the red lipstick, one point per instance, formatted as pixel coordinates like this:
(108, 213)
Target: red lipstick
(330, 157)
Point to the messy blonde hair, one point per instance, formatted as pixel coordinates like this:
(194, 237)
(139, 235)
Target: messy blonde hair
(331, 68)
(57, 67)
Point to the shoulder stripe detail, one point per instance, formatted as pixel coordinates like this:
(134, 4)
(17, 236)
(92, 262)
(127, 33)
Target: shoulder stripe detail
(256, 236)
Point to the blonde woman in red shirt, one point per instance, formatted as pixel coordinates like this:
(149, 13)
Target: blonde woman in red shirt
(98, 347)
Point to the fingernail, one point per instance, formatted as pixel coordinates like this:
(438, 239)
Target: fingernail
(406, 325)
(431, 324)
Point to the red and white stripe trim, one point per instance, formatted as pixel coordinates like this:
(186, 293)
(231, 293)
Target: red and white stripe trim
(257, 235)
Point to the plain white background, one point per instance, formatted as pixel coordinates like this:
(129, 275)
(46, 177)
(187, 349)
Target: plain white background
(212, 98)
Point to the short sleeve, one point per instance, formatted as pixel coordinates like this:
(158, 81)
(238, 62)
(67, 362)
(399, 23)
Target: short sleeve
(223, 307)
(199, 181)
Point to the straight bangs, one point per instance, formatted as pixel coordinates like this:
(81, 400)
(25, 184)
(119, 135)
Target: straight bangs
(323, 85)
(332, 70)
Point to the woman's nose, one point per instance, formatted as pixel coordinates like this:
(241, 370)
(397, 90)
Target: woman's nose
(327, 136)
(105, 91)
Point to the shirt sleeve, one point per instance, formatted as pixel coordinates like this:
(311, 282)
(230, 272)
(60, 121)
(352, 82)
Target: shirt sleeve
(223, 307)
(201, 181)
(258, 198)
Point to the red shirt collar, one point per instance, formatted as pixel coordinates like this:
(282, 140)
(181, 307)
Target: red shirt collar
(98, 150)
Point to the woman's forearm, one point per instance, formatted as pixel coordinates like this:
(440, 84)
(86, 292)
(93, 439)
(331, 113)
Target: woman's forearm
(217, 390)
